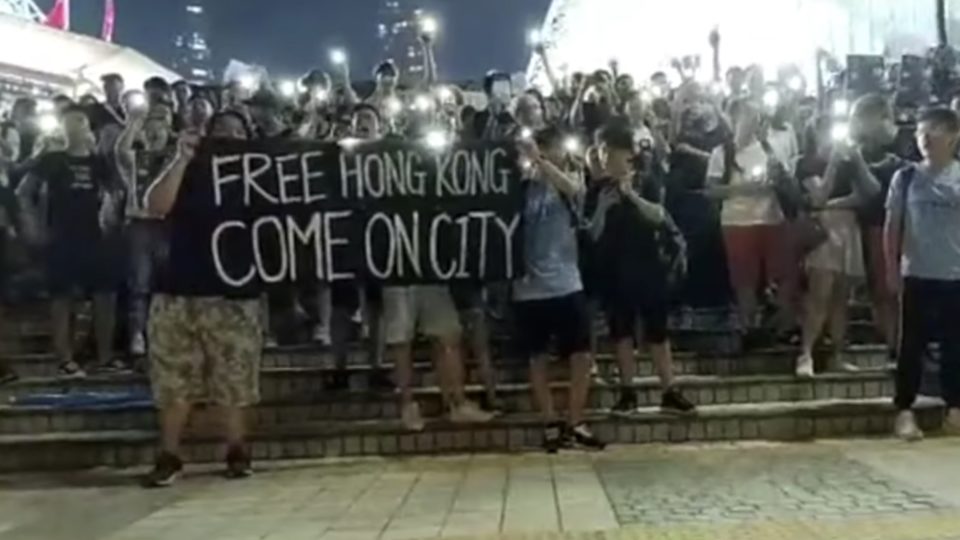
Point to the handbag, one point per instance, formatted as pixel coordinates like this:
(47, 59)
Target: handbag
(809, 233)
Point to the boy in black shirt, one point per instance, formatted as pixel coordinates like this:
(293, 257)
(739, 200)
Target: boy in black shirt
(81, 259)
(632, 276)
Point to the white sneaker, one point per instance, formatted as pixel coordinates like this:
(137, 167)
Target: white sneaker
(951, 425)
(138, 345)
(321, 335)
(839, 365)
(906, 427)
(805, 367)
(411, 418)
(469, 412)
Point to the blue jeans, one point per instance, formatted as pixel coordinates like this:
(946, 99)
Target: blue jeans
(147, 251)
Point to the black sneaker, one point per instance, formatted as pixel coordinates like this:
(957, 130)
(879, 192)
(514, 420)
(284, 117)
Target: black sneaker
(626, 406)
(675, 403)
(584, 438)
(165, 471)
(555, 437)
(239, 465)
(71, 370)
(8, 376)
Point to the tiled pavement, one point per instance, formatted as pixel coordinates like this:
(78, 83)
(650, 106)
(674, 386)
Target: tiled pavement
(862, 490)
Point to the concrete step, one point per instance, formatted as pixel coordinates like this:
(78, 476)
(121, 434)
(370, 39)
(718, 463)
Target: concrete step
(766, 421)
(513, 369)
(284, 405)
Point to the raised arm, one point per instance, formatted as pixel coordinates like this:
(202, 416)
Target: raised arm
(125, 154)
(162, 193)
(547, 68)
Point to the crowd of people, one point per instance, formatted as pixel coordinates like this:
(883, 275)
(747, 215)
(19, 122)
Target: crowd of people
(742, 208)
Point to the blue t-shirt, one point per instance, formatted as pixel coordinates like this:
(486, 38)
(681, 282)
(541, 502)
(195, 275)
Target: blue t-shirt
(550, 247)
(931, 241)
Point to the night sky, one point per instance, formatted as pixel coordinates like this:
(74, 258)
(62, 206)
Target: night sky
(290, 36)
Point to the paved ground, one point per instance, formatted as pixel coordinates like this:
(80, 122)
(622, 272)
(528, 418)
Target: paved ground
(862, 490)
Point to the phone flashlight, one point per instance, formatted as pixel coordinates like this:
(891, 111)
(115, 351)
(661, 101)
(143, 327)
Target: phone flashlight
(526, 134)
(247, 81)
(840, 132)
(48, 123)
(771, 98)
(436, 140)
(136, 100)
(841, 108)
(534, 37)
(338, 56)
(321, 94)
(393, 106)
(796, 83)
(288, 88)
(758, 171)
(571, 145)
(445, 94)
(429, 26)
(422, 103)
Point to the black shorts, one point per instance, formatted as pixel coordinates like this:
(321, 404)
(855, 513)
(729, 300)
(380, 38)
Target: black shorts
(82, 269)
(623, 316)
(563, 319)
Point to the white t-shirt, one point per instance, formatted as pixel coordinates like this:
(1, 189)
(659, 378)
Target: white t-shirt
(784, 145)
(746, 210)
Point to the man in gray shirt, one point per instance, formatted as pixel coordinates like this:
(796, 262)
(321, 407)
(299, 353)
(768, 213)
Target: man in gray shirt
(922, 245)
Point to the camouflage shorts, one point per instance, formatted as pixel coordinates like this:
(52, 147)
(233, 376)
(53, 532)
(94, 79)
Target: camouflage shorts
(205, 350)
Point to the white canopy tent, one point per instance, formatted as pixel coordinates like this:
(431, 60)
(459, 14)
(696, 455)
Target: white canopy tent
(644, 35)
(71, 62)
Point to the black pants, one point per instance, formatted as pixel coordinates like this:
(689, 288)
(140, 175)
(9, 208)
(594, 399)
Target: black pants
(930, 312)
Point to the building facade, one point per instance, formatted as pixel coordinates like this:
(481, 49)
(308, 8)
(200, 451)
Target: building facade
(192, 51)
(398, 30)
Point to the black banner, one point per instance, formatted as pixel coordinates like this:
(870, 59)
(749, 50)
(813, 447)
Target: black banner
(266, 213)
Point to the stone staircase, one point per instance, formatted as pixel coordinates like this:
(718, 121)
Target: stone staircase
(740, 398)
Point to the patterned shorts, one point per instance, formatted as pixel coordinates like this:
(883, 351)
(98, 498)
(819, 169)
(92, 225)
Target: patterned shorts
(205, 350)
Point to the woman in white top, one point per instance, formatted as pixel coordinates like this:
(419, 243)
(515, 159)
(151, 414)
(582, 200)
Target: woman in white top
(754, 227)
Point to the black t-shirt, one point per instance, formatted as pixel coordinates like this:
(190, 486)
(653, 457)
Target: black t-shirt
(883, 166)
(75, 185)
(812, 165)
(504, 124)
(626, 254)
(176, 276)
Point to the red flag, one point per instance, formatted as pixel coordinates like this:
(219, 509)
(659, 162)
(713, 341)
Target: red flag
(109, 19)
(59, 16)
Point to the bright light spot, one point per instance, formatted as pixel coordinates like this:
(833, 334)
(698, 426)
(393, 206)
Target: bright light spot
(394, 106)
(429, 26)
(45, 106)
(349, 143)
(656, 92)
(771, 99)
(718, 88)
(436, 140)
(321, 94)
(526, 134)
(422, 103)
(338, 56)
(137, 100)
(571, 145)
(796, 83)
(48, 123)
(758, 171)
(445, 94)
(526, 164)
(841, 107)
(288, 88)
(534, 37)
(646, 96)
(840, 132)
(247, 82)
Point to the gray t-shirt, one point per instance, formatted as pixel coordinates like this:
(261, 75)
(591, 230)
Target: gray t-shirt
(931, 242)
(550, 247)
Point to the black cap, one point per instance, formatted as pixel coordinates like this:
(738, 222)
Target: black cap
(111, 77)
